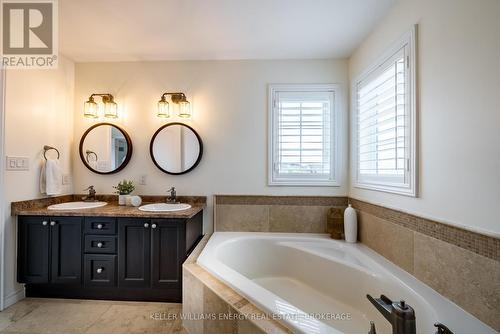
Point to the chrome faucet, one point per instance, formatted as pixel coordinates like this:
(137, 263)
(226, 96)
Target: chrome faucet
(91, 196)
(399, 314)
(173, 196)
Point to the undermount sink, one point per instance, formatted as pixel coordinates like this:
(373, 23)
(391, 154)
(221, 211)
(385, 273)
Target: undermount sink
(164, 207)
(76, 205)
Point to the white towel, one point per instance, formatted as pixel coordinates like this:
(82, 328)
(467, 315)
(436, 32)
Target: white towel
(51, 177)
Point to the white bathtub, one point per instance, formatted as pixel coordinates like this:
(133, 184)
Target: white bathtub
(313, 284)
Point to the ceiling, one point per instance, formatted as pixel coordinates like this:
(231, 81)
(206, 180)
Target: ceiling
(135, 30)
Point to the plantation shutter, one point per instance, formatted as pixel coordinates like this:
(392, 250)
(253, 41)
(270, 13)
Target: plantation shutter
(382, 123)
(303, 135)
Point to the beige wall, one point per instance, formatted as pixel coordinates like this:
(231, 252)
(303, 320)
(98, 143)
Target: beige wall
(459, 83)
(229, 100)
(38, 111)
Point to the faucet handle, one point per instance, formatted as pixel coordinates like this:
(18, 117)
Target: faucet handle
(89, 188)
(372, 328)
(171, 189)
(383, 305)
(442, 329)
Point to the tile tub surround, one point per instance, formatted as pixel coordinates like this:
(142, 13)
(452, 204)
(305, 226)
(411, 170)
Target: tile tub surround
(295, 214)
(467, 273)
(481, 244)
(203, 294)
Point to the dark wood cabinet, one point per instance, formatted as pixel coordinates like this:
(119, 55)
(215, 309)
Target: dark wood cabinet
(33, 250)
(134, 268)
(100, 270)
(49, 250)
(167, 249)
(105, 257)
(66, 249)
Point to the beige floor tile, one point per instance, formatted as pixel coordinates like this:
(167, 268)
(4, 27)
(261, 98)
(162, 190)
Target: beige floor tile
(16, 312)
(68, 316)
(59, 317)
(135, 319)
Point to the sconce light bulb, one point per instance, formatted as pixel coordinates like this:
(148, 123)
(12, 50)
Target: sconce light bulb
(163, 108)
(110, 109)
(184, 109)
(90, 109)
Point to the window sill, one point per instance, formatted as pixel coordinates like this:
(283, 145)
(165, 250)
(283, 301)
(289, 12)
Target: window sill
(296, 183)
(405, 191)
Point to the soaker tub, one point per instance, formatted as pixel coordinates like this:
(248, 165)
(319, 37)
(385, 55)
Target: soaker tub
(313, 284)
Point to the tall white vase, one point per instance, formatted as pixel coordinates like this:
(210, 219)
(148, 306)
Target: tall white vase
(350, 224)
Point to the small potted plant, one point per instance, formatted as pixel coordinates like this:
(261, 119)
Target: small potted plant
(123, 189)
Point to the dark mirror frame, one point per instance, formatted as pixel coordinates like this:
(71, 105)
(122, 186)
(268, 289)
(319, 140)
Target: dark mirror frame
(153, 140)
(127, 157)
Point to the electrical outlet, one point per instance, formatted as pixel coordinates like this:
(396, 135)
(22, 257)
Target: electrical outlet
(143, 180)
(17, 163)
(66, 179)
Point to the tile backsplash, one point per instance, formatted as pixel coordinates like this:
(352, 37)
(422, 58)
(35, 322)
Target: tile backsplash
(291, 214)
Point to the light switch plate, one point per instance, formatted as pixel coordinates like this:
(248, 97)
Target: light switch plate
(143, 180)
(17, 163)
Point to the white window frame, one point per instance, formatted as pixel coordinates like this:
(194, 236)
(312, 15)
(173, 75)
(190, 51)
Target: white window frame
(335, 138)
(410, 187)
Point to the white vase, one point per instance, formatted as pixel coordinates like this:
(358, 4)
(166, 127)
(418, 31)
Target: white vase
(122, 199)
(350, 224)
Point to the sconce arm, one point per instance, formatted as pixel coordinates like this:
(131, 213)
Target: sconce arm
(176, 97)
(106, 97)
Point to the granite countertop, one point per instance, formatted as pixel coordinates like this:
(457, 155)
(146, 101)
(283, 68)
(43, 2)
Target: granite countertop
(112, 209)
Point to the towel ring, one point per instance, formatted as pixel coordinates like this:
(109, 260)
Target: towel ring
(47, 148)
(89, 152)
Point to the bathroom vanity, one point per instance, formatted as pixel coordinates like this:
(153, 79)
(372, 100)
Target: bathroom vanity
(110, 252)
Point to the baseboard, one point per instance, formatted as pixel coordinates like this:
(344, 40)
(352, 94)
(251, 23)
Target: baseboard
(14, 297)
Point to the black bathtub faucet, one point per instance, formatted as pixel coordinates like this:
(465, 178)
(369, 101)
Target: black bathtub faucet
(399, 314)
(442, 329)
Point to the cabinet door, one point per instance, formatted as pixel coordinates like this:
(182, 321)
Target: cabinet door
(100, 270)
(134, 239)
(33, 250)
(66, 246)
(168, 252)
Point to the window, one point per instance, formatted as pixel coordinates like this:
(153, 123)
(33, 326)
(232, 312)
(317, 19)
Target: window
(303, 135)
(384, 103)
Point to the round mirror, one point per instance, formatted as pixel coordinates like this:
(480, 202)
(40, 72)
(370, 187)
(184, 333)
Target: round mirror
(105, 148)
(176, 148)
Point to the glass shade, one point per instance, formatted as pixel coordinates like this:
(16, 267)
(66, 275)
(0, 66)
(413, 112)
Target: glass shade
(90, 109)
(110, 109)
(163, 109)
(184, 109)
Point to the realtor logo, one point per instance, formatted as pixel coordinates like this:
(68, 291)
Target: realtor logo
(29, 38)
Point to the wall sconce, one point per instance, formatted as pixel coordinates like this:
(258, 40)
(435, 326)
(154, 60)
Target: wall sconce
(91, 109)
(177, 98)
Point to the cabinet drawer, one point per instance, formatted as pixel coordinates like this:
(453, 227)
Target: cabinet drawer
(100, 225)
(100, 270)
(100, 244)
